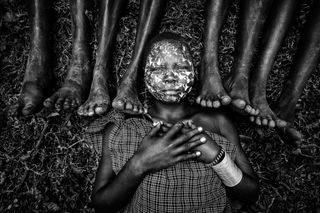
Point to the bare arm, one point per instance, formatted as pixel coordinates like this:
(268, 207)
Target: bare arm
(248, 189)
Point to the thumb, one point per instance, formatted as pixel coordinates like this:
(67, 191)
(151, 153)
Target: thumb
(156, 128)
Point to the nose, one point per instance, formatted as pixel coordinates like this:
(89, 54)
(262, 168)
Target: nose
(170, 76)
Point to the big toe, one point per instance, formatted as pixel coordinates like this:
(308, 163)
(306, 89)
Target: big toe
(118, 104)
(281, 123)
(28, 109)
(49, 102)
(239, 103)
(225, 100)
(101, 109)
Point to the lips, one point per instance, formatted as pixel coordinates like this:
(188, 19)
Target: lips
(171, 92)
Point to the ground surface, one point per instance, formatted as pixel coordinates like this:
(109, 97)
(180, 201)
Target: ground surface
(45, 165)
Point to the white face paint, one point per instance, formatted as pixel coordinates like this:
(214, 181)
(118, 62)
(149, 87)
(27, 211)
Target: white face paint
(169, 71)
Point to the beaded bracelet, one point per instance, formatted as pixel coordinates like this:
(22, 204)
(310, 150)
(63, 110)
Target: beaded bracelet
(219, 157)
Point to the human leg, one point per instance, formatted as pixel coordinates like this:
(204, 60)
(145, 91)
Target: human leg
(253, 14)
(127, 100)
(305, 62)
(276, 27)
(38, 74)
(71, 94)
(212, 93)
(98, 101)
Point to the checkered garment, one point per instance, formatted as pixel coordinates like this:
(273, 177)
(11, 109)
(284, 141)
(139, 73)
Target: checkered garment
(188, 186)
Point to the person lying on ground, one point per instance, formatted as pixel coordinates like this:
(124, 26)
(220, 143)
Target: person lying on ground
(178, 157)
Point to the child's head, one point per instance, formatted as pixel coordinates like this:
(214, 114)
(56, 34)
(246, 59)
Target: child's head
(169, 70)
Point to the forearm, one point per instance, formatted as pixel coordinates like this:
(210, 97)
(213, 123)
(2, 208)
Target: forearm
(240, 186)
(246, 191)
(119, 191)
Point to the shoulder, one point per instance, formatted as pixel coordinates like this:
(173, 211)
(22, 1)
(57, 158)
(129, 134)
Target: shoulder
(215, 120)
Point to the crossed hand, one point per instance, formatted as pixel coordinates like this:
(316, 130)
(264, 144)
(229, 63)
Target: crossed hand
(167, 144)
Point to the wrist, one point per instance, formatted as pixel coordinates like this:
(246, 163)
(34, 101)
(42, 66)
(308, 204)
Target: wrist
(137, 167)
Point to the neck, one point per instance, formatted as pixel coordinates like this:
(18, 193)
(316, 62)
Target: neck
(170, 112)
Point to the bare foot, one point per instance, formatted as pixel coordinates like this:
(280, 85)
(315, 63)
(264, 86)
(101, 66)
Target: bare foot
(36, 83)
(212, 93)
(238, 91)
(30, 99)
(290, 135)
(98, 102)
(266, 116)
(127, 98)
(70, 96)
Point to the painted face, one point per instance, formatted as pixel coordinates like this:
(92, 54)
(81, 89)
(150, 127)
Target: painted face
(169, 71)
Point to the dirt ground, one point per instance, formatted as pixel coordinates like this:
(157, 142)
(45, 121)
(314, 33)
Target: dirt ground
(46, 165)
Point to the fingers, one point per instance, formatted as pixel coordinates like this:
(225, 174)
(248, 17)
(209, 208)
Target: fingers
(187, 136)
(156, 128)
(190, 145)
(188, 156)
(174, 130)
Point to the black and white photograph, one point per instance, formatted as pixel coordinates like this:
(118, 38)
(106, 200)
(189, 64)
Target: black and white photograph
(160, 106)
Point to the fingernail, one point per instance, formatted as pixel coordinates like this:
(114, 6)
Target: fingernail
(198, 153)
(200, 129)
(203, 139)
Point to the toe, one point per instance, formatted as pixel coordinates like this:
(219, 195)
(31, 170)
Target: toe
(135, 109)
(67, 104)
(272, 124)
(129, 106)
(90, 111)
(281, 123)
(248, 109)
(209, 103)
(119, 104)
(239, 103)
(198, 100)
(225, 100)
(73, 104)
(28, 109)
(264, 121)
(49, 102)
(252, 118)
(101, 109)
(258, 121)
(59, 103)
(203, 103)
(216, 104)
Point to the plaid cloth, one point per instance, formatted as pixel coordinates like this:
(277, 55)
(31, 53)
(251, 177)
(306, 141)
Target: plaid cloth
(188, 186)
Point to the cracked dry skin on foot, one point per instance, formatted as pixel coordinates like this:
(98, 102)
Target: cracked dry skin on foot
(212, 93)
(238, 91)
(71, 94)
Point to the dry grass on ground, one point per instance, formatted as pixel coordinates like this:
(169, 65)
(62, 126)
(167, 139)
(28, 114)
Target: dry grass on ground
(45, 165)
